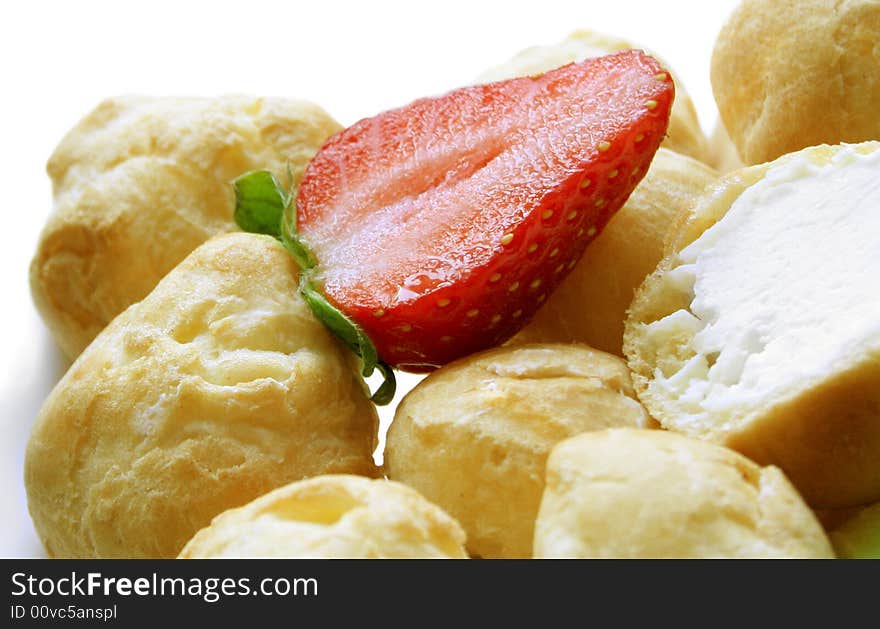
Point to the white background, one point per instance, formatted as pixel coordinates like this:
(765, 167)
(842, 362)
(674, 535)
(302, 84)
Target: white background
(59, 59)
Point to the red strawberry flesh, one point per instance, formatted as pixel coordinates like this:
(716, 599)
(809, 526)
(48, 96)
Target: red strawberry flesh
(440, 227)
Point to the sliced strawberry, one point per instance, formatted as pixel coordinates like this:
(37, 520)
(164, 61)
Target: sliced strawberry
(441, 227)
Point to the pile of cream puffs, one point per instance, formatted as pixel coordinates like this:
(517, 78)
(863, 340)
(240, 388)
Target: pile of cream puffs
(705, 382)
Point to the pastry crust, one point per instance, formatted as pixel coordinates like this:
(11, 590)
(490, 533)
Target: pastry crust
(722, 153)
(139, 183)
(473, 436)
(216, 388)
(590, 304)
(822, 426)
(332, 517)
(789, 74)
(645, 494)
(684, 135)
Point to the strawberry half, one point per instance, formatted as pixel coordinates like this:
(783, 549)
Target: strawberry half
(442, 226)
(439, 228)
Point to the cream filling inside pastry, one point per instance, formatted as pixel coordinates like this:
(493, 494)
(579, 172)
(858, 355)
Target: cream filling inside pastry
(785, 287)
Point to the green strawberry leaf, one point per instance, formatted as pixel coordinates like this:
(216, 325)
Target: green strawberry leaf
(385, 393)
(262, 206)
(259, 203)
(353, 336)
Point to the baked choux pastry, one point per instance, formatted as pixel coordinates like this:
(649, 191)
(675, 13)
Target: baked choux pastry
(332, 517)
(589, 306)
(722, 153)
(215, 389)
(759, 329)
(788, 74)
(833, 518)
(140, 182)
(473, 436)
(684, 134)
(653, 494)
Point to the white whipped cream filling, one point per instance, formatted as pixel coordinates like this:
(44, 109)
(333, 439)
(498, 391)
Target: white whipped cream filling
(786, 288)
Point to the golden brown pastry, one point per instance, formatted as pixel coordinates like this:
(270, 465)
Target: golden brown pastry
(645, 494)
(788, 74)
(684, 136)
(760, 329)
(473, 436)
(139, 183)
(722, 153)
(833, 518)
(332, 517)
(589, 306)
(216, 388)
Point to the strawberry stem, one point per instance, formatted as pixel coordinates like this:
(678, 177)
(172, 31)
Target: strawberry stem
(292, 242)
